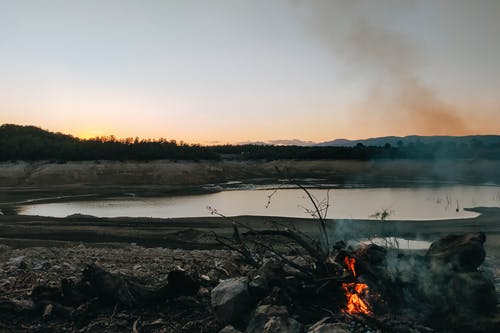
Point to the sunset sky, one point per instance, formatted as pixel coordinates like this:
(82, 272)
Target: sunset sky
(218, 71)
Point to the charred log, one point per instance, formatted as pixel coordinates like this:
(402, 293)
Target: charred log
(126, 291)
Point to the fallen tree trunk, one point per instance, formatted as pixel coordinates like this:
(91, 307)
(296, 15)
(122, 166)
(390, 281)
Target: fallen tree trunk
(115, 289)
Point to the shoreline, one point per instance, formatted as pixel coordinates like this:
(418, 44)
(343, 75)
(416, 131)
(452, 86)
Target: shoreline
(197, 232)
(164, 175)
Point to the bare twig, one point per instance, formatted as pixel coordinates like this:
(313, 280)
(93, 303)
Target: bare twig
(242, 249)
(134, 326)
(312, 250)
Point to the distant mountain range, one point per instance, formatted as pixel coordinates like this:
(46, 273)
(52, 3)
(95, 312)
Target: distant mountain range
(411, 139)
(381, 141)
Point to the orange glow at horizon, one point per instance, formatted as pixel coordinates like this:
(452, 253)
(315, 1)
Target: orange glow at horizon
(90, 134)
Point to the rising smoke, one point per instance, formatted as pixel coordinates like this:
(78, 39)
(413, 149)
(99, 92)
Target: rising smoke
(397, 100)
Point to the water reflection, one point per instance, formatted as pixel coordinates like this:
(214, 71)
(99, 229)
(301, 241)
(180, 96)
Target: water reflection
(423, 203)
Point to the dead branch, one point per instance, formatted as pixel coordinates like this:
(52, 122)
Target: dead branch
(241, 249)
(319, 214)
(313, 251)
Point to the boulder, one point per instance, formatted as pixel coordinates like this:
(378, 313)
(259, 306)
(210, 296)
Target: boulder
(18, 262)
(272, 319)
(258, 286)
(471, 292)
(463, 253)
(371, 253)
(231, 300)
(272, 272)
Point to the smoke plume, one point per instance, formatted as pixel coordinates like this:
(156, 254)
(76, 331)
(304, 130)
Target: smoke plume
(397, 100)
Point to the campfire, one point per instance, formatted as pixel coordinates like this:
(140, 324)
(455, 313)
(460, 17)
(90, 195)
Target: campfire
(355, 292)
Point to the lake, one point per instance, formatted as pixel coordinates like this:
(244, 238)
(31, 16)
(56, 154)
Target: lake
(410, 203)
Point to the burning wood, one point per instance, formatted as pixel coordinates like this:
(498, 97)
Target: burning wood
(355, 292)
(355, 302)
(349, 262)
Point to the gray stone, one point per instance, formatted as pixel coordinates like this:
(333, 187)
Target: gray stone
(47, 312)
(17, 262)
(272, 271)
(231, 300)
(330, 328)
(472, 292)
(460, 252)
(372, 253)
(272, 319)
(229, 329)
(4, 248)
(258, 286)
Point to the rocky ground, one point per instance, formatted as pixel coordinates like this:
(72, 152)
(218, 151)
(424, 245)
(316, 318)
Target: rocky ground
(23, 269)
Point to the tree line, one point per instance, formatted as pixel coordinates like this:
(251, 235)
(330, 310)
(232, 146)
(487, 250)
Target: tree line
(32, 143)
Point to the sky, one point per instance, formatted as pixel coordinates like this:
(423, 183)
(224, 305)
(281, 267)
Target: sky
(228, 71)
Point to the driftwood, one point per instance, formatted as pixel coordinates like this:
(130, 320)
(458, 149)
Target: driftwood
(108, 288)
(127, 291)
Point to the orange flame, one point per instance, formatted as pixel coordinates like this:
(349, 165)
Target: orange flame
(355, 303)
(349, 262)
(354, 292)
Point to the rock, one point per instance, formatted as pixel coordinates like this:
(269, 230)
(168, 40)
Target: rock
(76, 293)
(47, 312)
(4, 248)
(372, 253)
(40, 265)
(472, 292)
(18, 262)
(258, 286)
(272, 319)
(231, 300)
(463, 253)
(229, 329)
(272, 271)
(68, 266)
(81, 247)
(277, 296)
(330, 328)
(475, 324)
(180, 283)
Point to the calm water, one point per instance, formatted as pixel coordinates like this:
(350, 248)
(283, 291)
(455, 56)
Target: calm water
(421, 203)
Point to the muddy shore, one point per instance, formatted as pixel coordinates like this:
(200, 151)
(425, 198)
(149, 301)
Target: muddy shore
(197, 232)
